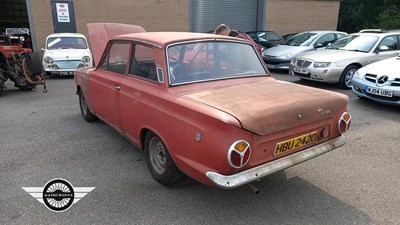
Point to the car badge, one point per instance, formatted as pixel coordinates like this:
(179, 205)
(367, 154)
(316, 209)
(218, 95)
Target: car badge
(300, 116)
(382, 79)
(67, 57)
(324, 112)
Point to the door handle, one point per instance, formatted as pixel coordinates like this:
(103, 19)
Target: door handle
(117, 87)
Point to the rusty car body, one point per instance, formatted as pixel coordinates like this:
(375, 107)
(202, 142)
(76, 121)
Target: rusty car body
(205, 106)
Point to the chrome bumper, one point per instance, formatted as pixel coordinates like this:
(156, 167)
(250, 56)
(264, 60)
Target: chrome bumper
(253, 174)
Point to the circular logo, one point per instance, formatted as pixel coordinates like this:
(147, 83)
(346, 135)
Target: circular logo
(58, 195)
(383, 79)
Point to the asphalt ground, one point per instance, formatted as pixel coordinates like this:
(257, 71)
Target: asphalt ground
(43, 136)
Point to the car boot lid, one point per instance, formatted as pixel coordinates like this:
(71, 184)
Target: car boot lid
(67, 54)
(101, 33)
(269, 106)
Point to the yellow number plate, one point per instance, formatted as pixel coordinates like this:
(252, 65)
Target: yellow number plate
(295, 143)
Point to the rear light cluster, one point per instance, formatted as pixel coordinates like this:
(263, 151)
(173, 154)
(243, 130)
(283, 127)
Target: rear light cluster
(344, 122)
(239, 154)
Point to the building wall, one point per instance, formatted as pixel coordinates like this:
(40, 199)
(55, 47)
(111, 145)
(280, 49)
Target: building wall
(282, 16)
(152, 15)
(294, 16)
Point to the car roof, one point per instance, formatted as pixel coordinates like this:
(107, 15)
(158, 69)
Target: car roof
(323, 31)
(66, 35)
(376, 34)
(164, 38)
(260, 31)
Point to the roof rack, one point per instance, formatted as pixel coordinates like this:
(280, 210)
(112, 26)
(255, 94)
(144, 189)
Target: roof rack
(372, 31)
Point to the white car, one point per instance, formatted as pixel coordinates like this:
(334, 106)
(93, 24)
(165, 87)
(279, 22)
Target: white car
(379, 81)
(66, 52)
(338, 62)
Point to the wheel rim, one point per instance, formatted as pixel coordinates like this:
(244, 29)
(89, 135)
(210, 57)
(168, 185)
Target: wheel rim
(349, 77)
(83, 105)
(157, 154)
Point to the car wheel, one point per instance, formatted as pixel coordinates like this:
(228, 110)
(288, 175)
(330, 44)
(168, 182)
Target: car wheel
(347, 76)
(85, 111)
(2, 81)
(159, 161)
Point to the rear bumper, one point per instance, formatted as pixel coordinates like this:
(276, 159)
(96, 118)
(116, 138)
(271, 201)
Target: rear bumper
(253, 174)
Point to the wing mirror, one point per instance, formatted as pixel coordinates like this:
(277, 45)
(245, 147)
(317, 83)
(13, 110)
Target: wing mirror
(383, 48)
(318, 45)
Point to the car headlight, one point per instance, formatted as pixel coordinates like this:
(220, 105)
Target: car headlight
(48, 59)
(294, 61)
(359, 73)
(284, 56)
(321, 64)
(86, 59)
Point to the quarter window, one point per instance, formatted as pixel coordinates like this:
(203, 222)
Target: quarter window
(142, 62)
(117, 57)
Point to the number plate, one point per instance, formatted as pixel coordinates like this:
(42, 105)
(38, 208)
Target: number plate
(378, 91)
(270, 66)
(295, 143)
(300, 70)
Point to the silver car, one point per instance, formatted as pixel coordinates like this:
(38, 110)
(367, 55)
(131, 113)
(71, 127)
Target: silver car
(279, 57)
(338, 62)
(379, 81)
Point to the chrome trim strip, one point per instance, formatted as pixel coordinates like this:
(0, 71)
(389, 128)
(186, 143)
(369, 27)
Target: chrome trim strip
(256, 173)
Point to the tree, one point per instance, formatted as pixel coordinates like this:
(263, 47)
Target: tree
(355, 15)
(389, 18)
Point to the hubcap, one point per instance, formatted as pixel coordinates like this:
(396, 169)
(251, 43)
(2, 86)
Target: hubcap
(157, 154)
(349, 76)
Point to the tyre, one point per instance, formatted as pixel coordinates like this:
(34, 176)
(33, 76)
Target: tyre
(159, 161)
(347, 75)
(85, 111)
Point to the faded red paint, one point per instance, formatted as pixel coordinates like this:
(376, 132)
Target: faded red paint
(260, 110)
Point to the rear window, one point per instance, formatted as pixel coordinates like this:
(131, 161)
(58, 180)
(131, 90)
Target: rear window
(212, 60)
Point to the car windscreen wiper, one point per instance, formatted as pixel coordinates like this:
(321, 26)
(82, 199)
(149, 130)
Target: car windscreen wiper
(356, 50)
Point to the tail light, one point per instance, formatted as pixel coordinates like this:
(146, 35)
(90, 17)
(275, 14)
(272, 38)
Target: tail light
(344, 122)
(239, 154)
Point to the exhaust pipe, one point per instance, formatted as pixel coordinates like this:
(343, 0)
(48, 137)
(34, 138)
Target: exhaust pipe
(253, 189)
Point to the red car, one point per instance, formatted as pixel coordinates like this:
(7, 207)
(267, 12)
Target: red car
(205, 106)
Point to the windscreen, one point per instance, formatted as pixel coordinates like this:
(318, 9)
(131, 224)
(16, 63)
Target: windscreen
(303, 39)
(66, 43)
(356, 43)
(212, 60)
(268, 36)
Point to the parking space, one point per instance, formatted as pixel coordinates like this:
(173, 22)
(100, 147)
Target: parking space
(43, 136)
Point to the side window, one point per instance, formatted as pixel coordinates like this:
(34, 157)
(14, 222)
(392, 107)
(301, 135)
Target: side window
(340, 35)
(390, 42)
(116, 58)
(142, 62)
(325, 40)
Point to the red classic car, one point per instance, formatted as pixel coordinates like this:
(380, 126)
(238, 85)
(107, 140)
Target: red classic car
(204, 105)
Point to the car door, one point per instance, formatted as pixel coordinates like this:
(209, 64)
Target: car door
(388, 47)
(140, 92)
(105, 83)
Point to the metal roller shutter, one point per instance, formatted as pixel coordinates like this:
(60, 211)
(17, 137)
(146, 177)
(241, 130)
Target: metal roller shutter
(206, 15)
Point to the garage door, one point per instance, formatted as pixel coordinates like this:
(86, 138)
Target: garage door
(206, 15)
